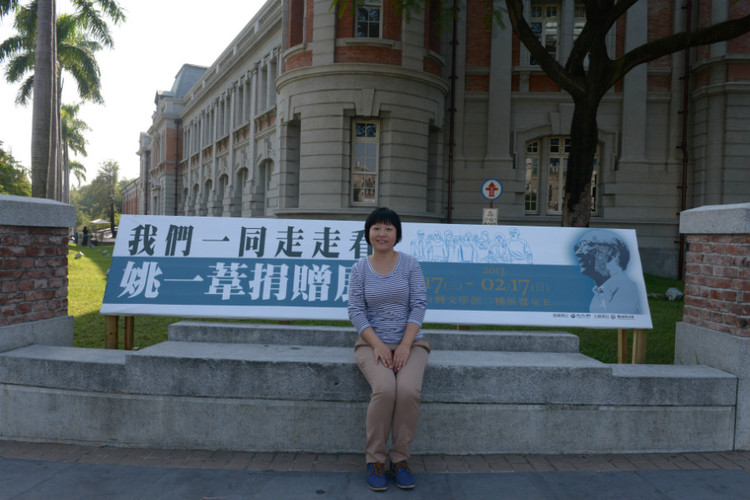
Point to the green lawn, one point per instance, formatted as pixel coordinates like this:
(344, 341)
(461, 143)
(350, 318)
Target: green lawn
(87, 278)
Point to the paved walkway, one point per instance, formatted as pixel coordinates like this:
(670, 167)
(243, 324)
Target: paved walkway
(43, 471)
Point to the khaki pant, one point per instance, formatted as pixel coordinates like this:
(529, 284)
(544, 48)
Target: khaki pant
(394, 402)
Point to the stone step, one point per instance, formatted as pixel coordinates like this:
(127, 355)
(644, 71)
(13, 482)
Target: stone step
(454, 340)
(298, 373)
(64, 367)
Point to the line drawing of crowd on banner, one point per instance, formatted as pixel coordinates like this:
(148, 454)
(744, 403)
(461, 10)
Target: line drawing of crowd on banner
(471, 247)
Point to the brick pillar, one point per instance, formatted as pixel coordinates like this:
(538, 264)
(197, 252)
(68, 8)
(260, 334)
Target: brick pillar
(715, 326)
(717, 282)
(34, 272)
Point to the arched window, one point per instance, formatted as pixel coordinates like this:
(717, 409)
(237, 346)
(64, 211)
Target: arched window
(546, 168)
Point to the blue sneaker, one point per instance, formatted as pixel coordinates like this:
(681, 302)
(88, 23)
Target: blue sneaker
(404, 479)
(376, 476)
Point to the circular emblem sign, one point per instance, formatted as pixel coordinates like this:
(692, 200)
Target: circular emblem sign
(492, 189)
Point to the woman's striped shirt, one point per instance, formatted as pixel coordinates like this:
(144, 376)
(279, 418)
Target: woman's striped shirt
(387, 302)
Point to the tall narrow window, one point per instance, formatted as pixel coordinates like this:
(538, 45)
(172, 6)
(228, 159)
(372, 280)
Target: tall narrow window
(544, 23)
(532, 178)
(557, 166)
(368, 19)
(580, 19)
(365, 163)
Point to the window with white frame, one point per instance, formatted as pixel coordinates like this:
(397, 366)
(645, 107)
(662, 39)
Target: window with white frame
(546, 169)
(545, 20)
(580, 19)
(532, 177)
(368, 19)
(365, 138)
(545, 23)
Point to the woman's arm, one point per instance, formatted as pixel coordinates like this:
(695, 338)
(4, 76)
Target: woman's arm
(357, 305)
(417, 309)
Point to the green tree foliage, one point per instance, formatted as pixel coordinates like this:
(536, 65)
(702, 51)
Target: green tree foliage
(78, 171)
(6, 6)
(72, 140)
(102, 199)
(13, 176)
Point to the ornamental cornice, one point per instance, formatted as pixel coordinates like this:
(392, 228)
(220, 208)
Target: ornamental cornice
(358, 69)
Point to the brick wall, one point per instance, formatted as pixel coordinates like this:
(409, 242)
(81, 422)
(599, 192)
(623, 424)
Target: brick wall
(368, 54)
(479, 37)
(717, 282)
(33, 273)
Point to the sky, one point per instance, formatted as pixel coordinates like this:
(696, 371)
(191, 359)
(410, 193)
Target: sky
(158, 37)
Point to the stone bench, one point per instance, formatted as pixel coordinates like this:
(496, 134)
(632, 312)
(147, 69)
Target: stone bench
(290, 388)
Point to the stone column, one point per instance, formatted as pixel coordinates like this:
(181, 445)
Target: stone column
(34, 272)
(500, 102)
(635, 90)
(715, 326)
(323, 43)
(412, 35)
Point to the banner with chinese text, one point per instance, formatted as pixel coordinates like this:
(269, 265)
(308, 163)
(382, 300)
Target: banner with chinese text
(277, 269)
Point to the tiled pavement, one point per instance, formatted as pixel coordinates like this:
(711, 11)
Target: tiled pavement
(345, 462)
(45, 471)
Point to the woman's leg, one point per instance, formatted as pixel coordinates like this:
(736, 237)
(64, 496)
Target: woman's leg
(408, 398)
(382, 381)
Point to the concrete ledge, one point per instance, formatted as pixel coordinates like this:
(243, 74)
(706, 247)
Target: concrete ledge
(454, 340)
(730, 353)
(65, 367)
(55, 331)
(37, 212)
(716, 219)
(700, 345)
(321, 426)
(288, 372)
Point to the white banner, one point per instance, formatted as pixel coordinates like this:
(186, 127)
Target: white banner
(277, 269)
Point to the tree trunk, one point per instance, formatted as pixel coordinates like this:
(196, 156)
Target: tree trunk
(43, 129)
(59, 158)
(65, 173)
(584, 137)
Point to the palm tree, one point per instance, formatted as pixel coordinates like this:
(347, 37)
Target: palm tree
(6, 6)
(75, 55)
(72, 129)
(46, 139)
(44, 125)
(109, 173)
(79, 171)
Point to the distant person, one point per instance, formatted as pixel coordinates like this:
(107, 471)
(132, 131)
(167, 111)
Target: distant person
(387, 303)
(85, 236)
(603, 257)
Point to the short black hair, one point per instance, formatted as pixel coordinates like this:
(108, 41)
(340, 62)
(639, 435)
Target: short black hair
(383, 215)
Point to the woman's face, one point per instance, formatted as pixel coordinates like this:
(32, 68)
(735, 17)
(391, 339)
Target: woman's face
(382, 236)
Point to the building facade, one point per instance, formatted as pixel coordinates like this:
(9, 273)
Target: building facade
(312, 113)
